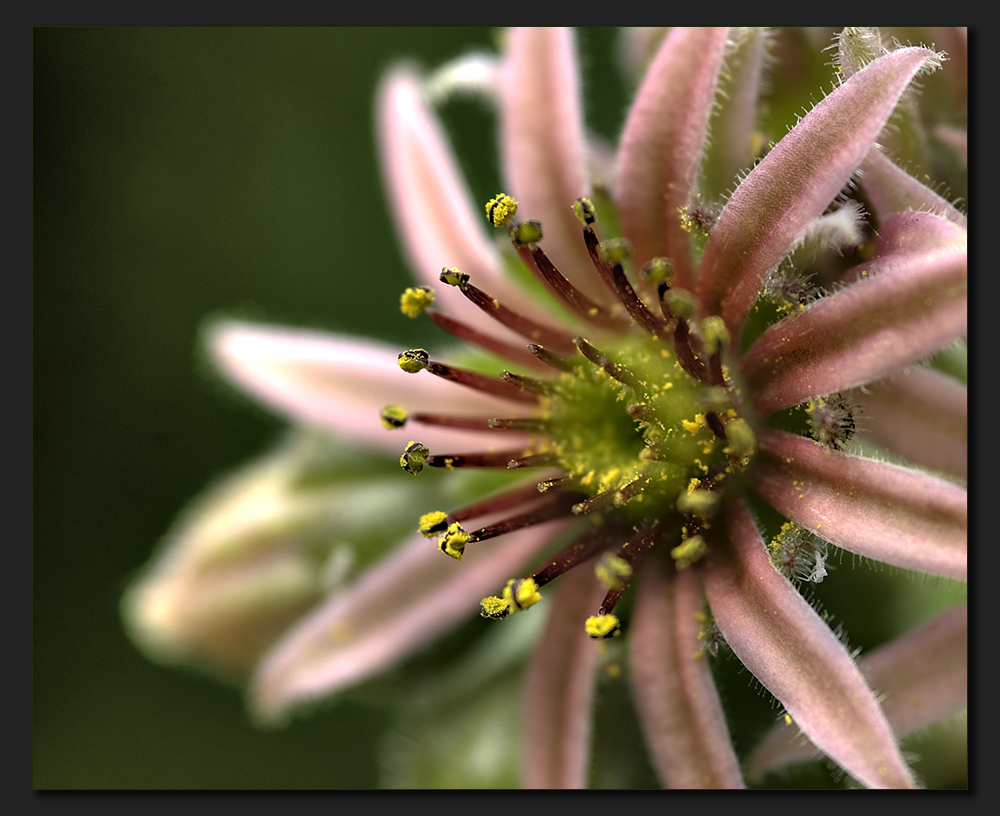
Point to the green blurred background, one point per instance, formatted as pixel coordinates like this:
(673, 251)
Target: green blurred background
(180, 173)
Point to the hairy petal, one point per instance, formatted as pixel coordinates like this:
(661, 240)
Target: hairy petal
(730, 150)
(675, 695)
(903, 306)
(921, 677)
(542, 144)
(397, 607)
(891, 190)
(341, 383)
(436, 218)
(789, 648)
(796, 181)
(663, 142)
(920, 414)
(889, 513)
(559, 690)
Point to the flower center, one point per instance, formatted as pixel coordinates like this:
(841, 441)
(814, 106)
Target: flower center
(637, 413)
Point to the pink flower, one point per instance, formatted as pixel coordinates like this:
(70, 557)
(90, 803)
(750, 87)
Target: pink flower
(662, 400)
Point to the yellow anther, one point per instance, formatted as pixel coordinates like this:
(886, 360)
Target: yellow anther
(681, 302)
(413, 360)
(415, 299)
(527, 232)
(433, 524)
(714, 334)
(583, 208)
(698, 502)
(692, 426)
(613, 571)
(500, 210)
(494, 607)
(742, 439)
(603, 626)
(393, 416)
(453, 277)
(614, 250)
(413, 458)
(520, 593)
(453, 541)
(689, 551)
(658, 270)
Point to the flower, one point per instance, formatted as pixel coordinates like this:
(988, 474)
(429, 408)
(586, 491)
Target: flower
(668, 383)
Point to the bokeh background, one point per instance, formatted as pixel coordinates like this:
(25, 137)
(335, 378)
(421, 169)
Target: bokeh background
(181, 173)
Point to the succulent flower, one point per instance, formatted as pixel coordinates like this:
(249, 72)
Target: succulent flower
(675, 350)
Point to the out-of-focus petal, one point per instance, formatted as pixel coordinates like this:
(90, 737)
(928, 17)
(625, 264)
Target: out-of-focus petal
(921, 414)
(437, 221)
(341, 383)
(921, 677)
(905, 305)
(674, 692)
(796, 181)
(730, 150)
(390, 612)
(889, 513)
(891, 190)
(559, 690)
(542, 144)
(779, 637)
(662, 145)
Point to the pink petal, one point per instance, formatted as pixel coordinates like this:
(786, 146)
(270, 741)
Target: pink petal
(885, 512)
(921, 677)
(920, 414)
(796, 181)
(891, 190)
(559, 690)
(393, 610)
(779, 637)
(437, 220)
(674, 692)
(341, 383)
(907, 305)
(662, 145)
(542, 144)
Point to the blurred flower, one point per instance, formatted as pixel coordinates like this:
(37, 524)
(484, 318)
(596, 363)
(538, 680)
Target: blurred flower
(665, 376)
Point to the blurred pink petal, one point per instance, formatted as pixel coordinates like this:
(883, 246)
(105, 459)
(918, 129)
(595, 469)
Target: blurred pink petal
(779, 637)
(908, 305)
(881, 511)
(403, 603)
(921, 414)
(796, 181)
(542, 144)
(662, 145)
(921, 677)
(341, 383)
(891, 190)
(678, 705)
(559, 688)
(438, 222)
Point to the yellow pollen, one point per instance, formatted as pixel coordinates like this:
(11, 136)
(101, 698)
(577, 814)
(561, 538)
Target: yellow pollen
(415, 299)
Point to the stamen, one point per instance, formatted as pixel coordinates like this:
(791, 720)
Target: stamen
(615, 370)
(413, 458)
(533, 460)
(556, 508)
(501, 209)
(536, 260)
(603, 626)
(516, 354)
(523, 424)
(557, 362)
(496, 459)
(393, 416)
(415, 360)
(715, 424)
(415, 299)
(688, 551)
(634, 553)
(659, 272)
(433, 524)
(572, 555)
(453, 542)
(558, 483)
(685, 354)
(613, 571)
(606, 257)
(543, 388)
(546, 335)
(504, 501)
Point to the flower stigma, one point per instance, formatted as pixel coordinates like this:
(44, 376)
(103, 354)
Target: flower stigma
(638, 414)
